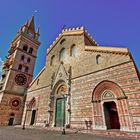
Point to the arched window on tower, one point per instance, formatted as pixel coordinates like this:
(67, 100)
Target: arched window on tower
(62, 54)
(28, 60)
(20, 67)
(52, 60)
(73, 50)
(31, 50)
(98, 59)
(22, 57)
(25, 48)
(26, 69)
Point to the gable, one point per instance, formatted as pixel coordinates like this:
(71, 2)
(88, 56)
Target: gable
(61, 75)
(88, 40)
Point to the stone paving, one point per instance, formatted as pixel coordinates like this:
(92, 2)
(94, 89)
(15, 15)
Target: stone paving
(17, 133)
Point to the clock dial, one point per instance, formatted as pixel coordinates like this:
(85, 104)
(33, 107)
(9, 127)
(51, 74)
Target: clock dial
(20, 79)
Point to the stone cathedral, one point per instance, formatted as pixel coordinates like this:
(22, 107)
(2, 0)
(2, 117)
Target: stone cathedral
(81, 85)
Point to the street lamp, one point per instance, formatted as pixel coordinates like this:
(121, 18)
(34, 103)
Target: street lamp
(63, 129)
(23, 126)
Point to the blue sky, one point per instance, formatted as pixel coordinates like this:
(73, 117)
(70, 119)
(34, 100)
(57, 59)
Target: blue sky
(110, 22)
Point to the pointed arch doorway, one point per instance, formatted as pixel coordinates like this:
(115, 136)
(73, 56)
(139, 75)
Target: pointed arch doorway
(111, 115)
(110, 107)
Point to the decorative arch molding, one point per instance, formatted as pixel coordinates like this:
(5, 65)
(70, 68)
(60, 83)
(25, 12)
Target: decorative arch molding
(110, 86)
(32, 103)
(57, 85)
(107, 94)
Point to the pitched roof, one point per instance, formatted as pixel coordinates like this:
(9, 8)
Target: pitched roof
(107, 49)
(31, 25)
(37, 76)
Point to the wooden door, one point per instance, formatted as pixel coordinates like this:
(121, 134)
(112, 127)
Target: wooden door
(11, 120)
(111, 115)
(33, 117)
(60, 112)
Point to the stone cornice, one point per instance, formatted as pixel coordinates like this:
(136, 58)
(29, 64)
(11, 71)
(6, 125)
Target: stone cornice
(22, 35)
(123, 51)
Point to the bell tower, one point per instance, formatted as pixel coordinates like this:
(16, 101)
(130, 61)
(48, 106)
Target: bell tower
(18, 72)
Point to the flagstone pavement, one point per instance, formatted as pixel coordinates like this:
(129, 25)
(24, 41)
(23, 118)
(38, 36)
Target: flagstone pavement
(17, 133)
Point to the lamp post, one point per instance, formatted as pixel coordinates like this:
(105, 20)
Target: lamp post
(63, 129)
(23, 126)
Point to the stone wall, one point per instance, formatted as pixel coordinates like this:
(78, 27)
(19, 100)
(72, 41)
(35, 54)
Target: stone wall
(123, 75)
(41, 98)
(6, 109)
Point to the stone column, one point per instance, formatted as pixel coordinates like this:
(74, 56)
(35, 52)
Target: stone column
(98, 122)
(129, 126)
(68, 111)
(51, 102)
(120, 114)
(68, 106)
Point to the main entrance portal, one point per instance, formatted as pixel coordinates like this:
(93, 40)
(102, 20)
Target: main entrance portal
(111, 115)
(60, 112)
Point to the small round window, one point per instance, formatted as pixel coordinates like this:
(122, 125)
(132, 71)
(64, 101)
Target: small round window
(15, 103)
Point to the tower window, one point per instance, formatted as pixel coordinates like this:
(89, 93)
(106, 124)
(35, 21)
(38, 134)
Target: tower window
(31, 50)
(22, 57)
(73, 50)
(98, 59)
(62, 41)
(25, 48)
(26, 69)
(12, 114)
(20, 67)
(62, 54)
(52, 60)
(28, 60)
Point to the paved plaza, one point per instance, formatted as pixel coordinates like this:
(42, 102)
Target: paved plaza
(16, 133)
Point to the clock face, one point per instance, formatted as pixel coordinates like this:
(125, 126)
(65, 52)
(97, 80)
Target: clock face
(20, 79)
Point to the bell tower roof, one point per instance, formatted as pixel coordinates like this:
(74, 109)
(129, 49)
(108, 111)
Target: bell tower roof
(31, 25)
(29, 31)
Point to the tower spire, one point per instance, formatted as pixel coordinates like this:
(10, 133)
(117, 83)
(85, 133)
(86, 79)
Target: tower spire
(38, 29)
(31, 25)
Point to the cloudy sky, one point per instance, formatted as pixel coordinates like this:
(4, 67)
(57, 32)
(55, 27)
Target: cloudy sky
(111, 22)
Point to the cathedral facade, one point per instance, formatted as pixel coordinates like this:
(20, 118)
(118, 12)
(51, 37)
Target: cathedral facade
(82, 85)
